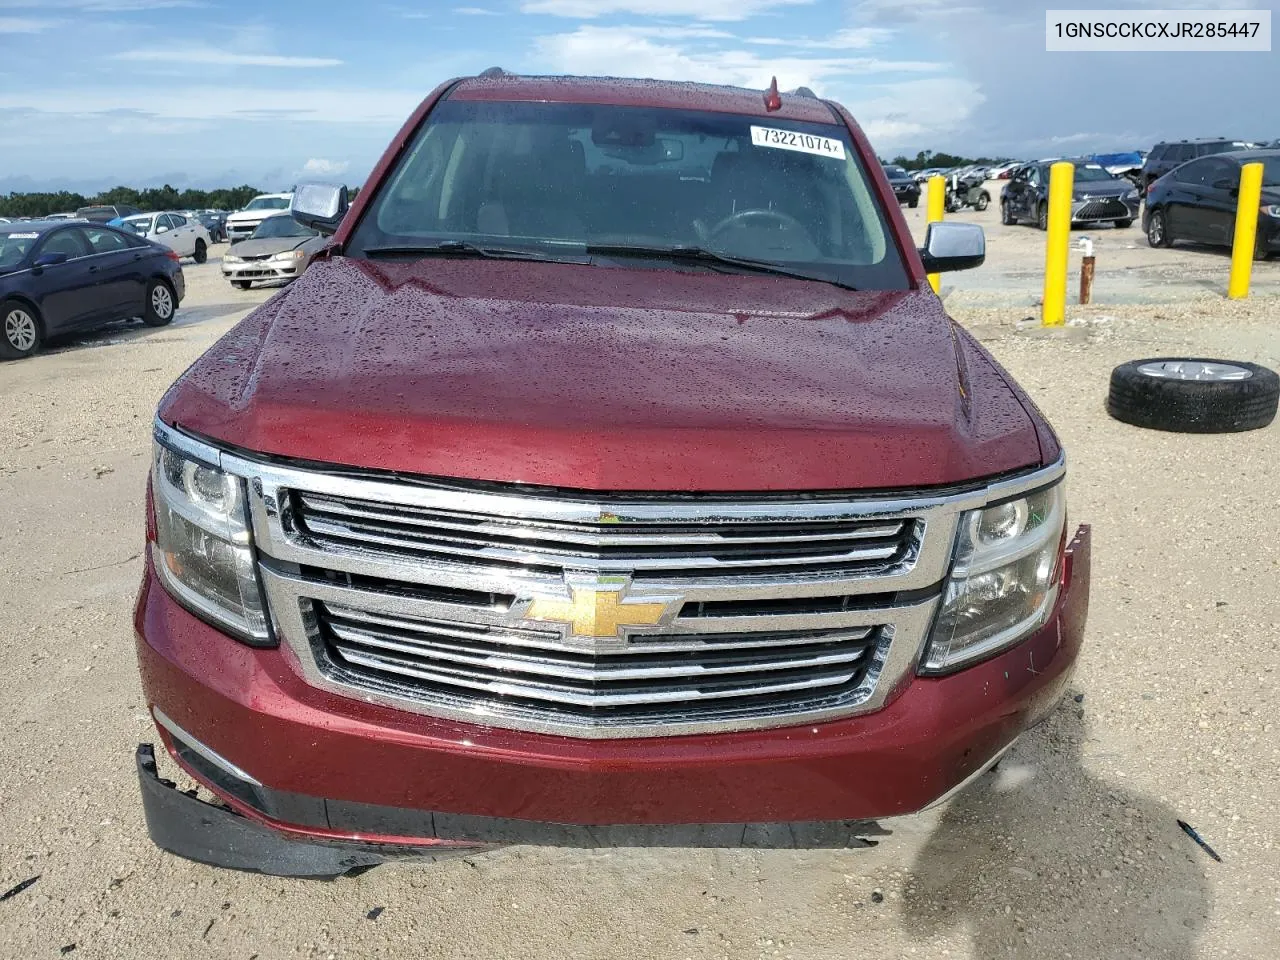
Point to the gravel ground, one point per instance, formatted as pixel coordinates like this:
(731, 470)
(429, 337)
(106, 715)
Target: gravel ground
(1070, 850)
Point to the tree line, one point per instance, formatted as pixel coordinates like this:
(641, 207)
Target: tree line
(152, 198)
(927, 158)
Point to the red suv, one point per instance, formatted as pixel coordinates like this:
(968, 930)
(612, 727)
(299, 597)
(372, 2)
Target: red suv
(613, 477)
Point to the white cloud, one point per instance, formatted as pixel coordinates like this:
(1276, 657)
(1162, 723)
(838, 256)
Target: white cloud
(475, 11)
(224, 58)
(630, 52)
(24, 25)
(101, 6)
(853, 38)
(320, 167)
(344, 105)
(697, 9)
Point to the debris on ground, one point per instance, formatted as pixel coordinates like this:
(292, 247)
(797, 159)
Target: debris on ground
(13, 892)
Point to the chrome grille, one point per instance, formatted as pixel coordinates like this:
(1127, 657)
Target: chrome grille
(531, 670)
(667, 552)
(1102, 209)
(461, 601)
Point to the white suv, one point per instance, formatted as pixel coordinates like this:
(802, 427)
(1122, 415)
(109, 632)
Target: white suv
(242, 223)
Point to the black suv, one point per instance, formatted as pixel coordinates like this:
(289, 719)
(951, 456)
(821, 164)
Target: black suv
(904, 186)
(1165, 156)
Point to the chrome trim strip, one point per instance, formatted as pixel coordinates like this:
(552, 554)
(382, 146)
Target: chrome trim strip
(217, 759)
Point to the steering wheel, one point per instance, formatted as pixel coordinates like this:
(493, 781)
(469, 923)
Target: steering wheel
(744, 216)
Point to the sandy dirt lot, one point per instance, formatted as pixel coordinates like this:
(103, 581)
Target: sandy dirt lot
(1070, 850)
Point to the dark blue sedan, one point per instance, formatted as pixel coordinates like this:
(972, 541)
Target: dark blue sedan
(59, 276)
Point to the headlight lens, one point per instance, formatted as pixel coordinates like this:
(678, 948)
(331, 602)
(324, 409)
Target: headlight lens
(228, 258)
(203, 551)
(1131, 195)
(1004, 579)
(291, 255)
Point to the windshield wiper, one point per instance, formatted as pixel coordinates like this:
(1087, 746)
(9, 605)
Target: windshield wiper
(724, 263)
(456, 248)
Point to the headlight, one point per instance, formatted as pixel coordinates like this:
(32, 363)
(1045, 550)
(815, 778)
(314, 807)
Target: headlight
(228, 258)
(1004, 579)
(204, 554)
(291, 255)
(1131, 195)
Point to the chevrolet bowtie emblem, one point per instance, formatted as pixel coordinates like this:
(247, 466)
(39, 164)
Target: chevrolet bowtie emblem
(600, 612)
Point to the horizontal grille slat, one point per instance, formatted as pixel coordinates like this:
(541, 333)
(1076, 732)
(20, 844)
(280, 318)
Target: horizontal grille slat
(648, 674)
(660, 552)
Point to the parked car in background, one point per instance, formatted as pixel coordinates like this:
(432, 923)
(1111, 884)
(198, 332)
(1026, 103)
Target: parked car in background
(242, 223)
(55, 216)
(215, 221)
(102, 214)
(185, 236)
(1097, 196)
(1198, 200)
(1166, 155)
(921, 176)
(904, 185)
(280, 249)
(58, 277)
(1127, 165)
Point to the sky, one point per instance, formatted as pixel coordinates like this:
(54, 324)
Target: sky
(206, 93)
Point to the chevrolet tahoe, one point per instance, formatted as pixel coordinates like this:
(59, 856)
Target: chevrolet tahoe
(612, 476)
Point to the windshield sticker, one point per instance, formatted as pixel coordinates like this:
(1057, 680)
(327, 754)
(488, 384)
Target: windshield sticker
(22, 236)
(800, 142)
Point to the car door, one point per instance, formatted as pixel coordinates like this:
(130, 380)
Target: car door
(115, 265)
(164, 232)
(1037, 178)
(64, 292)
(184, 233)
(1219, 198)
(1184, 207)
(1016, 192)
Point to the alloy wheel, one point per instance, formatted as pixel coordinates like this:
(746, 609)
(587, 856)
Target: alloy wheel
(162, 302)
(20, 330)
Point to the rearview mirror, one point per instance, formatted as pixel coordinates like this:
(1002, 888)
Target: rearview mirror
(50, 259)
(320, 206)
(953, 246)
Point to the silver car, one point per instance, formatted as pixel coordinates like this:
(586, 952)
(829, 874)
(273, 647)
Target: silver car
(279, 249)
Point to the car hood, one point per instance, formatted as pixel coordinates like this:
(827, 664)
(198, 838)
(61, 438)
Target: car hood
(609, 379)
(240, 216)
(266, 246)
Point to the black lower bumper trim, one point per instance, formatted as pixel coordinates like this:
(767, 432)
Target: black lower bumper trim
(182, 823)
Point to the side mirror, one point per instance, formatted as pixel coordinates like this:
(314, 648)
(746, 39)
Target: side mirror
(162, 229)
(320, 206)
(1226, 183)
(953, 246)
(49, 260)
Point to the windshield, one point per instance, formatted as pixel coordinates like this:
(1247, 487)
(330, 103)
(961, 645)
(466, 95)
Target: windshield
(268, 203)
(555, 178)
(141, 226)
(1088, 173)
(895, 173)
(14, 246)
(282, 226)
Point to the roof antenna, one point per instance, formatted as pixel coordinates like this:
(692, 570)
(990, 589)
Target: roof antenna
(772, 98)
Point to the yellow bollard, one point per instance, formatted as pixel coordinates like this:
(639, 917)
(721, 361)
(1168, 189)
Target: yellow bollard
(1246, 230)
(1057, 244)
(933, 214)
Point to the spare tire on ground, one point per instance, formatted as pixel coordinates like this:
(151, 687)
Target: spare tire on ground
(1193, 395)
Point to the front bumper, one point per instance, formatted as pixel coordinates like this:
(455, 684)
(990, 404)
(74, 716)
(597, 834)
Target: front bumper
(261, 270)
(317, 767)
(1104, 209)
(907, 193)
